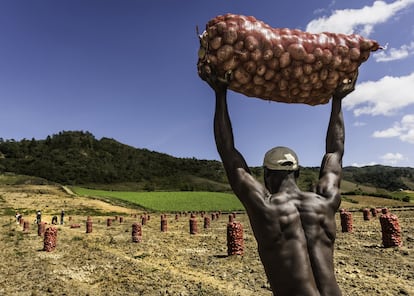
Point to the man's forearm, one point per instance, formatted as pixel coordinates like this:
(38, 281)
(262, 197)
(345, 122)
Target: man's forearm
(336, 134)
(223, 134)
(222, 125)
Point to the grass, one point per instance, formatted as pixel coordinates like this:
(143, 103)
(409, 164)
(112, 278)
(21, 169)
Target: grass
(170, 201)
(404, 195)
(184, 200)
(13, 179)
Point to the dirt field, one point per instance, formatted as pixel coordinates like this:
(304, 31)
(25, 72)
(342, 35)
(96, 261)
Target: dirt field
(106, 262)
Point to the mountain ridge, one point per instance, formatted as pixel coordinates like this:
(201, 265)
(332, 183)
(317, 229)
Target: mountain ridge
(77, 157)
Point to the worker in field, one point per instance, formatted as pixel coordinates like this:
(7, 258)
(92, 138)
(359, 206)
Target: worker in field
(294, 230)
(18, 217)
(38, 217)
(62, 216)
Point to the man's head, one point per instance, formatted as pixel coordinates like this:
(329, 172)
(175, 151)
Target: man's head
(281, 159)
(278, 163)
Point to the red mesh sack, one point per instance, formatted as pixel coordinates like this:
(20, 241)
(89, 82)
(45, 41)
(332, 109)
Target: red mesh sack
(278, 64)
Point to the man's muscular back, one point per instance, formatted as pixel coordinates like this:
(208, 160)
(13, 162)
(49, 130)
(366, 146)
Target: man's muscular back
(318, 222)
(295, 232)
(280, 236)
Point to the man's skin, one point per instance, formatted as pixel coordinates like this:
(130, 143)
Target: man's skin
(294, 230)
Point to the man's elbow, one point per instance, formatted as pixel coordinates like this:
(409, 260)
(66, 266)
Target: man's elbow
(328, 185)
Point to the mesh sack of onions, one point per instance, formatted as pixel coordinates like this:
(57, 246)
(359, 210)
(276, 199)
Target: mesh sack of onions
(279, 64)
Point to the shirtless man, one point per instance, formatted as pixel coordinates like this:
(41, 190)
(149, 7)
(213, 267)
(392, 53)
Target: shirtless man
(294, 230)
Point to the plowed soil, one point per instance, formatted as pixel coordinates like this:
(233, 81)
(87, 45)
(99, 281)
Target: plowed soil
(107, 262)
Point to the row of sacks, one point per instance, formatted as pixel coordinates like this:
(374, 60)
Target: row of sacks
(390, 226)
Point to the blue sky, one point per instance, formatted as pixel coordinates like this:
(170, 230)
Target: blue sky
(127, 70)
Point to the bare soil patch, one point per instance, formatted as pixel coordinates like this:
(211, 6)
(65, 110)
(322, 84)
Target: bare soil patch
(107, 262)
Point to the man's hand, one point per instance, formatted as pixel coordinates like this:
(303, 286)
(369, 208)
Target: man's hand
(345, 87)
(217, 83)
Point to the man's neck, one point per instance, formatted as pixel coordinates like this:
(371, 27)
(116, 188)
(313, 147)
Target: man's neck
(288, 183)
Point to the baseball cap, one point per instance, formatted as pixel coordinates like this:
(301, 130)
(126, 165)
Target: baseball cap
(282, 159)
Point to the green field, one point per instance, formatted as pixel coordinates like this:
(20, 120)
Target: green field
(170, 201)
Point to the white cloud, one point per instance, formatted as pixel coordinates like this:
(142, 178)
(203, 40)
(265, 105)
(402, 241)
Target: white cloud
(359, 123)
(392, 158)
(407, 124)
(382, 97)
(404, 130)
(391, 132)
(395, 53)
(355, 164)
(324, 9)
(349, 21)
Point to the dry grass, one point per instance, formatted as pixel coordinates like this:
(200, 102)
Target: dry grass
(363, 201)
(106, 262)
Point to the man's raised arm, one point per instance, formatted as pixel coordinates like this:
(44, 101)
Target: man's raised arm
(223, 133)
(249, 191)
(331, 167)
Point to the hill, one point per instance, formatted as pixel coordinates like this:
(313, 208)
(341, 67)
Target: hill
(78, 158)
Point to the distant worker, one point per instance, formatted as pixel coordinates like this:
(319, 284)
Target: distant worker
(54, 220)
(62, 215)
(38, 217)
(18, 217)
(294, 230)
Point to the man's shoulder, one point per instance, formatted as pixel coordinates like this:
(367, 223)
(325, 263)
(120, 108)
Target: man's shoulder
(245, 179)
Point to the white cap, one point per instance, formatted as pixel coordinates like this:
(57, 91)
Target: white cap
(281, 159)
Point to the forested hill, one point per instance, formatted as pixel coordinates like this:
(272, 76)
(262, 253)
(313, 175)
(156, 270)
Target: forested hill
(379, 176)
(77, 157)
